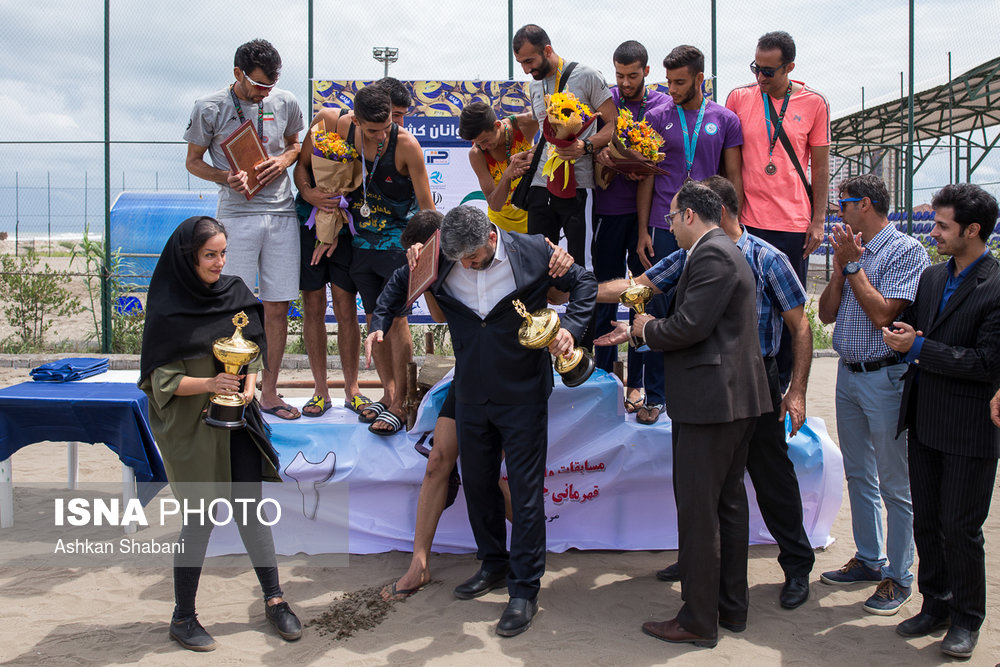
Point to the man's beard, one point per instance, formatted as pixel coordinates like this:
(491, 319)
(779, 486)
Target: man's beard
(636, 95)
(690, 96)
(544, 70)
(485, 264)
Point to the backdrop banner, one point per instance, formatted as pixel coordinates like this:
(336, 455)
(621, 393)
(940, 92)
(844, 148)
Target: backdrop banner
(608, 481)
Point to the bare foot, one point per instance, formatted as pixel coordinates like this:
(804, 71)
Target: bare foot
(407, 585)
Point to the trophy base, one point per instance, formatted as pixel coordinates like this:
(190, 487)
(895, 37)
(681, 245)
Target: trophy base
(578, 369)
(229, 417)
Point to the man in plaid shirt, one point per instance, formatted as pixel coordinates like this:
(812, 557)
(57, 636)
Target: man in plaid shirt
(780, 301)
(876, 272)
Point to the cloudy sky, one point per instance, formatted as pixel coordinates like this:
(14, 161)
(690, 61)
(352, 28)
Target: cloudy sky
(164, 55)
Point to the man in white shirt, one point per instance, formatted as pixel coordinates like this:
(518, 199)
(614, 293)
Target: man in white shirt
(501, 391)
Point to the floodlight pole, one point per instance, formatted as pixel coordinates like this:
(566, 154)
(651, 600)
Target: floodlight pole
(385, 55)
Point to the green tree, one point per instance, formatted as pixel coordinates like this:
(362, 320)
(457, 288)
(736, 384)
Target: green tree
(32, 295)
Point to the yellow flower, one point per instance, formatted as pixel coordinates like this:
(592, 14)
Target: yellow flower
(639, 137)
(564, 107)
(331, 146)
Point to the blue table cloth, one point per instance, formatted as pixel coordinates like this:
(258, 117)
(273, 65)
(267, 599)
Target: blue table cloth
(110, 412)
(69, 370)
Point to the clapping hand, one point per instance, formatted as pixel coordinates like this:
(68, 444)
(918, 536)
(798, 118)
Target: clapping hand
(846, 245)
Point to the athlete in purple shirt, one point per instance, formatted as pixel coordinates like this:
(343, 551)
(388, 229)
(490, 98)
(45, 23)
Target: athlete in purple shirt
(703, 141)
(615, 220)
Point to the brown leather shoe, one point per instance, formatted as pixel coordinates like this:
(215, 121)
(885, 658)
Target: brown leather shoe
(671, 631)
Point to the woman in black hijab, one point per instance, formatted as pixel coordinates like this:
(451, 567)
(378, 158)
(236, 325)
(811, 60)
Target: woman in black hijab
(191, 304)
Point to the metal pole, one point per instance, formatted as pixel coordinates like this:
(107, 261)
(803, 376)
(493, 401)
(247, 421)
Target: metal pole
(48, 206)
(715, 81)
(105, 283)
(909, 142)
(309, 11)
(510, 40)
(900, 162)
(17, 211)
(863, 144)
(951, 137)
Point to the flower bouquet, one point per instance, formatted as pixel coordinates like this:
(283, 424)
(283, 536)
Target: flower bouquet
(565, 119)
(634, 148)
(336, 168)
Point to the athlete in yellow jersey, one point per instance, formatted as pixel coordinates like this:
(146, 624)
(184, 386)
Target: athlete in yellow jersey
(499, 156)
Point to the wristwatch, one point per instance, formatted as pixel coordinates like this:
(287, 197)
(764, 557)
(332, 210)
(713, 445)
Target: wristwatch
(588, 148)
(851, 268)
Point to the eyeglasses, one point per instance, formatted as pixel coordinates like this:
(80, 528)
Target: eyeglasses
(848, 200)
(669, 217)
(769, 72)
(262, 86)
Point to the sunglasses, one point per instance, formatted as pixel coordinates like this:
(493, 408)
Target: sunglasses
(848, 200)
(262, 86)
(769, 72)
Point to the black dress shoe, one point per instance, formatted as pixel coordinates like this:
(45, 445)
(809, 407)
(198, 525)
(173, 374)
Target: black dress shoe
(516, 618)
(959, 642)
(481, 583)
(794, 592)
(922, 624)
(188, 633)
(732, 626)
(284, 620)
(670, 573)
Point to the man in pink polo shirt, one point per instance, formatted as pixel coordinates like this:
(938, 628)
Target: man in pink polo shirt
(777, 204)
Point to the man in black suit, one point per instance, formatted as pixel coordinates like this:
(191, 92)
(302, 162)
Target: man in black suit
(717, 389)
(502, 391)
(951, 338)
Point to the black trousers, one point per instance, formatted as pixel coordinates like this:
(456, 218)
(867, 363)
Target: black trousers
(777, 487)
(790, 243)
(554, 216)
(951, 500)
(614, 238)
(519, 433)
(712, 522)
(245, 463)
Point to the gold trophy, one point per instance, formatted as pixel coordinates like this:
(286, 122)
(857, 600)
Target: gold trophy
(538, 330)
(636, 297)
(235, 352)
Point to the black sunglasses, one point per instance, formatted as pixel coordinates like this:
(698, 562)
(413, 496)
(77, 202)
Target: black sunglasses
(769, 72)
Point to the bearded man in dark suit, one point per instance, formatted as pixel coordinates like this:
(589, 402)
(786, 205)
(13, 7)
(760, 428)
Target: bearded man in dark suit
(501, 390)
